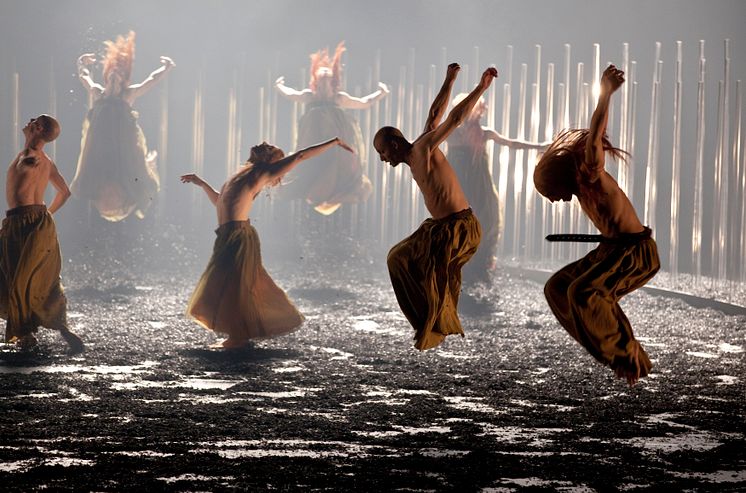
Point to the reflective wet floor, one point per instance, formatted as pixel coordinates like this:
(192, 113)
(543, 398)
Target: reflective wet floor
(346, 403)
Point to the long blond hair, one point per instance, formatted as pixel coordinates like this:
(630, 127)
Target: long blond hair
(120, 54)
(321, 59)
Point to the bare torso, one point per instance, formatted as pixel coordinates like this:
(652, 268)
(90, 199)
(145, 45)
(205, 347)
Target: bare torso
(25, 183)
(437, 181)
(237, 195)
(608, 207)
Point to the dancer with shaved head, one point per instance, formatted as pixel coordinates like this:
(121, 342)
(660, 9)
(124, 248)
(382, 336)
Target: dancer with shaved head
(30, 262)
(425, 268)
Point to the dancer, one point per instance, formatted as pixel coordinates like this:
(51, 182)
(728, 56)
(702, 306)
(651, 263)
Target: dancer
(326, 183)
(467, 153)
(30, 291)
(425, 268)
(235, 295)
(584, 295)
(115, 170)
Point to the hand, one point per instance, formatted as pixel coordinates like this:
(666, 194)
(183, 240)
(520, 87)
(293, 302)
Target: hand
(487, 77)
(453, 69)
(384, 88)
(280, 81)
(87, 59)
(167, 62)
(341, 143)
(192, 178)
(611, 79)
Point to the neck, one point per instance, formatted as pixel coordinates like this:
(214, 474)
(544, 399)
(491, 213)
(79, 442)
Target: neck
(34, 143)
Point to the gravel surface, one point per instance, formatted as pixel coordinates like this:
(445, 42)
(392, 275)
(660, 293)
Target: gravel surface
(346, 403)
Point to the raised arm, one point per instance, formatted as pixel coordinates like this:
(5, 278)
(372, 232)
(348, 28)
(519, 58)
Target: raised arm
(459, 113)
(280, 168)
(303, 96)
(84, 74)
(212, 194)
(59, 184)
(354, 103)
(492, 134)
(156, 75)
(440, 103)
(595, 158)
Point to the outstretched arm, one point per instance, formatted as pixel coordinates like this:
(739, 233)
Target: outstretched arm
(353, 103)
(280, 168)
(212, 194)
(303, 96)
(63, 192)
(84, 73)
(595, 159)
(139, 89)
(492, 134)
(440, 103)
(458, 114)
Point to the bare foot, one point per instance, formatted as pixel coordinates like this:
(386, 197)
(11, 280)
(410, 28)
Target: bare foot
(233, 343)
(26, 342)
(74, 342)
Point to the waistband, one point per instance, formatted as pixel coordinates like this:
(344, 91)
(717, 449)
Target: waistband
(622, 238)
(26, 209)
(231, 225)
(456, 215)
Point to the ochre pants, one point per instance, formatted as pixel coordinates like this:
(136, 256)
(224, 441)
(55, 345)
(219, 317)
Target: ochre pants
(584, 297)
(425, 270)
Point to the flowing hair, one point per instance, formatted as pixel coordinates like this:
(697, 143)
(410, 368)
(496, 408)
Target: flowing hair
(321, 59)
(559, 164)
(119, 57)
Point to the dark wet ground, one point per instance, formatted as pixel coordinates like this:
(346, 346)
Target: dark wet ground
(346, 403)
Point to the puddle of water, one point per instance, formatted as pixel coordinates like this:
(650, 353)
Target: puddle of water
(726, 380)
(157, 325)
(697, 442)
(232, 449)
(439, 453)
(449, 355)
(729, 348)
(100, 369)
(195, 477)
(534, 482)
(386, 402)
(531, 437)
(68, 462)
(339, 354)
(430, 429)
(143, 453)
(299, 392)
(471, 404)
(377, 434)
(16, 466)
(288, 369)
(667, 419)
(699, 354)
(208, 383)
(522, 403)
(714, 477)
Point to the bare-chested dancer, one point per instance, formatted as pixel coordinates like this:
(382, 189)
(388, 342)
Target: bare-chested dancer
(425, 268)
(30, 262)
(584, 295)
(235, 295)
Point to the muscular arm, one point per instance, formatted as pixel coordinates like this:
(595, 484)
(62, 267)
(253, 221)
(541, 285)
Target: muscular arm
(303, 96)
(212, 194)
(63, 192)
(595, 159)
(281, 167)
(156, 75)
(354, 103)
(440, 103)
(492, 134)
(458, 114)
